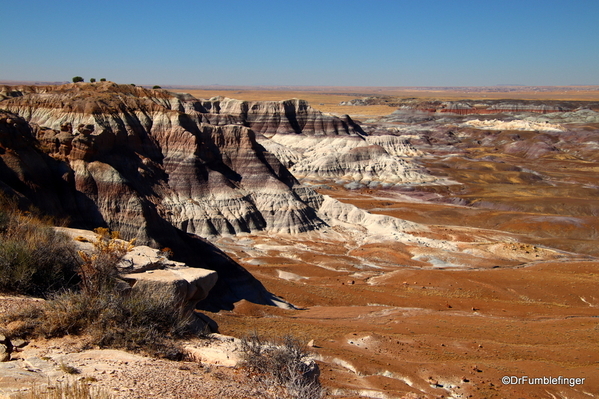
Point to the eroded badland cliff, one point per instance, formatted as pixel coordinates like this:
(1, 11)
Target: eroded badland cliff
(427, 253)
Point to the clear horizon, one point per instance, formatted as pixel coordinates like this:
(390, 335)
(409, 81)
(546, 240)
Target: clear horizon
(331, 43)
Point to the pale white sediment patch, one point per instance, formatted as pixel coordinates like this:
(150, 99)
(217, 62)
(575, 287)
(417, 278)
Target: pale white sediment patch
(290, 276)
(345, 364)
(376, 228)
(496, 124)
(437, 262)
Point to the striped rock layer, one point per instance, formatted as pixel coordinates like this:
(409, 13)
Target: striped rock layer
(134, 156)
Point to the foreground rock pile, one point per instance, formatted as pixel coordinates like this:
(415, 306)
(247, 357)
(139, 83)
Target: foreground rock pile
(7, 346)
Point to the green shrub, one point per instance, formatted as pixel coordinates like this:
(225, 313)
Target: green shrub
(103, 80)
(156, 87)
(77, 79)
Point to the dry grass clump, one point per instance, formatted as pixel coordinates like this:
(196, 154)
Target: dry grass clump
(68, 369)
(284, 366)
(35, 259)
(77, 390)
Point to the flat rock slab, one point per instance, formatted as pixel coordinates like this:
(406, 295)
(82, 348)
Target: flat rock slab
(221, 350)
(142, 258)
(189, 284)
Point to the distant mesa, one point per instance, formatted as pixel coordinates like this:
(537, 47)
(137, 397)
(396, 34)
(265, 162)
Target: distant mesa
(282, 117)
(474, 107)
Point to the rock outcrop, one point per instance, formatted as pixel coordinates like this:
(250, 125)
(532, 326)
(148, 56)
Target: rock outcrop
(150, 269)
(358, 160)
(187, 285)
(143, 155)
(167, 168)
(282, 117)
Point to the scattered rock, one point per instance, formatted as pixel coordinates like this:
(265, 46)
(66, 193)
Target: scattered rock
(187, 285)
(220, 350)
(4, 353)
(19, 343)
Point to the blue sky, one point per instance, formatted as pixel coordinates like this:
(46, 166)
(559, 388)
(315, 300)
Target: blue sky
(334, 43)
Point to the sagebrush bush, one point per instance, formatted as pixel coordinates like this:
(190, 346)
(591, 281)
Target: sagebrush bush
(35, 259)
(145, 319)
(284, 363)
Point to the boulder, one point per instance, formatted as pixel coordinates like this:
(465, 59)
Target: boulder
(142, 258)
(187, 285)
(219, 350)
(4, 353)
(5, 348)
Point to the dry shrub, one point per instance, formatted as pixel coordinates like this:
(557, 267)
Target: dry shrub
(283, 365)
(99, 270)
(141, 320)
(35, 259)
(68, 369)
(144, 319)
(76, 390)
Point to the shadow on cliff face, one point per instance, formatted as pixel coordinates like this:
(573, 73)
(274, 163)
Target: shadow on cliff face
(234, 282)
(34, 178)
